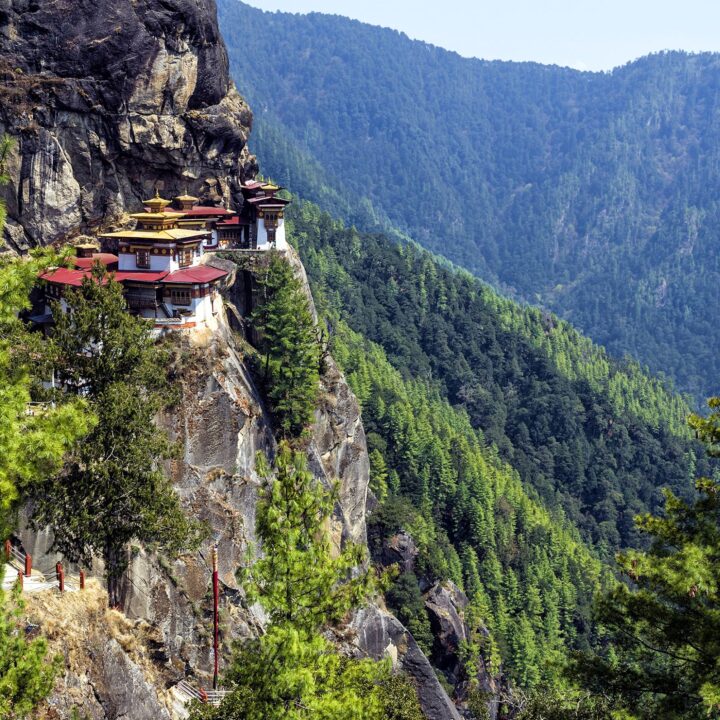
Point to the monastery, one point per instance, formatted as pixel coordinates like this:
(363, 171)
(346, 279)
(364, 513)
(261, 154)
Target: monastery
(160, 261)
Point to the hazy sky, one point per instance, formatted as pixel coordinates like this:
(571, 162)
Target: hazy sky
(585, 34)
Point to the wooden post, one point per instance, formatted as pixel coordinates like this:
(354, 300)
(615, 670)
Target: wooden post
(28, 565)
(60, 576)
(20, 579)
(82, 579)
(216, 624)
(8, 550)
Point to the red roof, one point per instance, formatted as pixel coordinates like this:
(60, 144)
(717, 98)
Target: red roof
(237, 220)
(66, 276)
(202, 211)
(193, 275)
(87, 262)
(140, 276)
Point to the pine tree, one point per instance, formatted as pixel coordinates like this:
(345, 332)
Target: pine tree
(663, 627)
(293, 672)
(289, 347)
(378, 475)
(31, 445)
(112, 489)
(26, 673)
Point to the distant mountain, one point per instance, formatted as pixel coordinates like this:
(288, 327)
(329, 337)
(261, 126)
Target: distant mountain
(595, 194)
(510, 449)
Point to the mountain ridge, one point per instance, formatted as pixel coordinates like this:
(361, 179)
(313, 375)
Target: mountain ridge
(589, 193)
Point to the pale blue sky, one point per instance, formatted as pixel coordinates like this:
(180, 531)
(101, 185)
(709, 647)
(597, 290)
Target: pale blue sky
(585, 34)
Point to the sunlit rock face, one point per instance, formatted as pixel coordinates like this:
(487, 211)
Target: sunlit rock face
(106, 101)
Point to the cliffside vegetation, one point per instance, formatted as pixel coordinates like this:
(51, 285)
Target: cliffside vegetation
(292, 671)
(591, 193)
(288, 346)
(33, 441)
(112, 488)
(494, 431)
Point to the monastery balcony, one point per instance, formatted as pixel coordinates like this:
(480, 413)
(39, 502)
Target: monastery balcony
(141, 302)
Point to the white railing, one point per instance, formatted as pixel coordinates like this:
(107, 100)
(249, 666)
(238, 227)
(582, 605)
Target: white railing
(210, 697)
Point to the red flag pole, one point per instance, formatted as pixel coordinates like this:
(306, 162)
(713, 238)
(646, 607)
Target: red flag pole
(216, 593)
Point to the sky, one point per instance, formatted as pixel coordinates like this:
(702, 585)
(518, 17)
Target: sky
(584, 34)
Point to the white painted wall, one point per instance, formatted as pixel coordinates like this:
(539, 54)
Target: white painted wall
(126, 263)
(212, 241)
(280, 240)
(262, 241)
(262, 236)
(200, 309)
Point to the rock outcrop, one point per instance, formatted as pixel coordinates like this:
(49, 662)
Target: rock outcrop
(108, 658)
(446, 604)
(380, 634)
(222, 424)
(106, 101)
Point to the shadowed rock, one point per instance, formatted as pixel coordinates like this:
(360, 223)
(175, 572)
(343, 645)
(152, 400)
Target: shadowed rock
(107, 101)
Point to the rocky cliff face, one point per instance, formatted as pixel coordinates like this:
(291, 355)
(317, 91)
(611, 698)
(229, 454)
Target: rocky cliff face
(106, 101)
(221, 424)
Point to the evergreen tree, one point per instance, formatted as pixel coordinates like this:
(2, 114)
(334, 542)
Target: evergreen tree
(290, 525)
(289, 346)
(26, 673)
(32, 444)
(663, 627)
(33, 441)
(112, 489)
(292, 672)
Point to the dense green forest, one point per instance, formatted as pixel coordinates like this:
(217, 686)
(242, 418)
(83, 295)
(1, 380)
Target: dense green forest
(592, 194)
(595, 439)
(529, 577)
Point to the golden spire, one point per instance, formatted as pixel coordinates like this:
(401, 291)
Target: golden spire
(157, 203)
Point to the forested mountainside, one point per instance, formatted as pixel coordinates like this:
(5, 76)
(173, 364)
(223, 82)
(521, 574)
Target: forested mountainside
(529, 576)
(590, 193)
(594, 438)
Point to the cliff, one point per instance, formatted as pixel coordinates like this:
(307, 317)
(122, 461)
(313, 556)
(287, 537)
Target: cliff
(221, 424)
(106, 101)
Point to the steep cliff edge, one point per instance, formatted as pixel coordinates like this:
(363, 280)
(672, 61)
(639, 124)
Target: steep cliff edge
(221, 424)
(106, 101)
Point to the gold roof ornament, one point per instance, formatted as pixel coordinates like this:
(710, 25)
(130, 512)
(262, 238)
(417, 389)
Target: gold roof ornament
(157, 203)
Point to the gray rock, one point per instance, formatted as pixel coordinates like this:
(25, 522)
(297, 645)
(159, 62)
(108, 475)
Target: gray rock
(445, 604)
(380, 634)
(123, 688)
(400, 550)
(105, 102)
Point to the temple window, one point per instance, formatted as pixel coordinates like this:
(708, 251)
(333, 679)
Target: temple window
(142, 258)
(181, 297)
(186, 256)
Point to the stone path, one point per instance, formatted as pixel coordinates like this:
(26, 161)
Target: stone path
(37, 581)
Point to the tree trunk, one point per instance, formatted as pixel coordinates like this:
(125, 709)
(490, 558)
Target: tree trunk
(114, 566)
